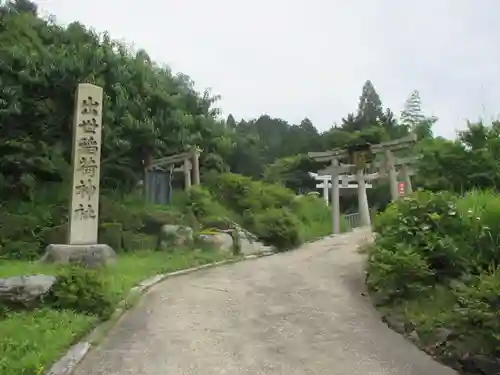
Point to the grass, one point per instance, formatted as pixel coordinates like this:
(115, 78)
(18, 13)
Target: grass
(316, 218)
(31, 341)
(427, 313)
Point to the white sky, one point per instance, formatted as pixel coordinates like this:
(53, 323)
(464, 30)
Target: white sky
(309, 58)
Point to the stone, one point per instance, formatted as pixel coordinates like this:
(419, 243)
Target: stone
(86, 162)
(220, 241)
(249, 243)
(25, 289)
(486, 365)
(253, 247)
(67, 364)
(444, 335)
(413, 336)
(172, 236)
(91, 256)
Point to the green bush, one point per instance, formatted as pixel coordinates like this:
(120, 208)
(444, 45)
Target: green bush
(82, 290)
(314, 215)
(477, 315)
(113, 210)
(201, 203)
(481, 211)
(111, 234)
(17, 227)
(279, 228)
(138, 241)
(20, 250)
(431, 245)
(54, 235)
(397, 272)
(156, 217)
(242, 194)
(431, 224)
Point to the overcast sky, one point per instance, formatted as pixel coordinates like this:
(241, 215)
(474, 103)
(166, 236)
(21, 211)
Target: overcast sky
(309, 58)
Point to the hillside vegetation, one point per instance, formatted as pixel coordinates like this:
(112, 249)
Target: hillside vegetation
(433, 268)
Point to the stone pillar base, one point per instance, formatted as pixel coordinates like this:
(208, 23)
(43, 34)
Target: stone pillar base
(92, 256)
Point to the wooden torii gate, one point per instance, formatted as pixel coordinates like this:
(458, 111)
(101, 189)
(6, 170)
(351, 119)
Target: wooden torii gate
(359, 156)
(191, 167)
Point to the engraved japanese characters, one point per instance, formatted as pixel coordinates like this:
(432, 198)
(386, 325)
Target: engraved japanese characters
(87, 132)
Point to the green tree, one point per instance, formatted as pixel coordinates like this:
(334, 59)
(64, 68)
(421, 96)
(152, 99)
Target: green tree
(230, 122)
(148, 112)
(412, 118)
(370, 106)
(471, 161)
(411, 115)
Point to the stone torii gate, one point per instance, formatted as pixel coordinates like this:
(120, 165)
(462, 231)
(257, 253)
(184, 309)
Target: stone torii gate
(403, 169)
(360, 155)
(345, 182)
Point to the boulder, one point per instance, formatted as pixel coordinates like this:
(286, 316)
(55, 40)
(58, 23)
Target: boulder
(220, 241)
(25, 289)
(91, 256)
(250, 245)
(172, 236)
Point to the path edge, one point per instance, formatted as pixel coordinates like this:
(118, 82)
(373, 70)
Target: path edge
(75, 354)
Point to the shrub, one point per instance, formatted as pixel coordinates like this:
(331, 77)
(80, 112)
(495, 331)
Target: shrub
(314, 215)
(54, 235)
(82, 290)
(429, 223)
(203, 204)
(20, 250)
(242, 194)
(478, 312)
(111, 234)
(278, 227)
(17, 227)
(138, 241)
(112, 210)
(481, 211)
(397, 272)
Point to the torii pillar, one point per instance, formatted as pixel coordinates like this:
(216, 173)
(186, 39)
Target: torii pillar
(363, 207)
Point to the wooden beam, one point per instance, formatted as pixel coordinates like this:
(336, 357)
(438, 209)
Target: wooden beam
(177, 158)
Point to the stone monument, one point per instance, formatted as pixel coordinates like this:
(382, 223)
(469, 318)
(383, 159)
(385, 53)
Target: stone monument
(82, 246)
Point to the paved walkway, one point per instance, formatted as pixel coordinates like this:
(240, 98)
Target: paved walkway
(296, 313)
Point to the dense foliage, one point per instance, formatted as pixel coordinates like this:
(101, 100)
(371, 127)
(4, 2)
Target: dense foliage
(435, 262)
(149, 112)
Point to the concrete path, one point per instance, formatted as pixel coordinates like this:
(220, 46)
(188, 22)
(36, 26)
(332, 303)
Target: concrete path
(296, 313)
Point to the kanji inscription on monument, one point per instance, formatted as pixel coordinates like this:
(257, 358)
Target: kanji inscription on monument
(86, 160)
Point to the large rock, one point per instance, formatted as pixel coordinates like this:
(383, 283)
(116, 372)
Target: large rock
(91, 256)
(25, 289)
(250, 245)
(172, 236)
(218, 241)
